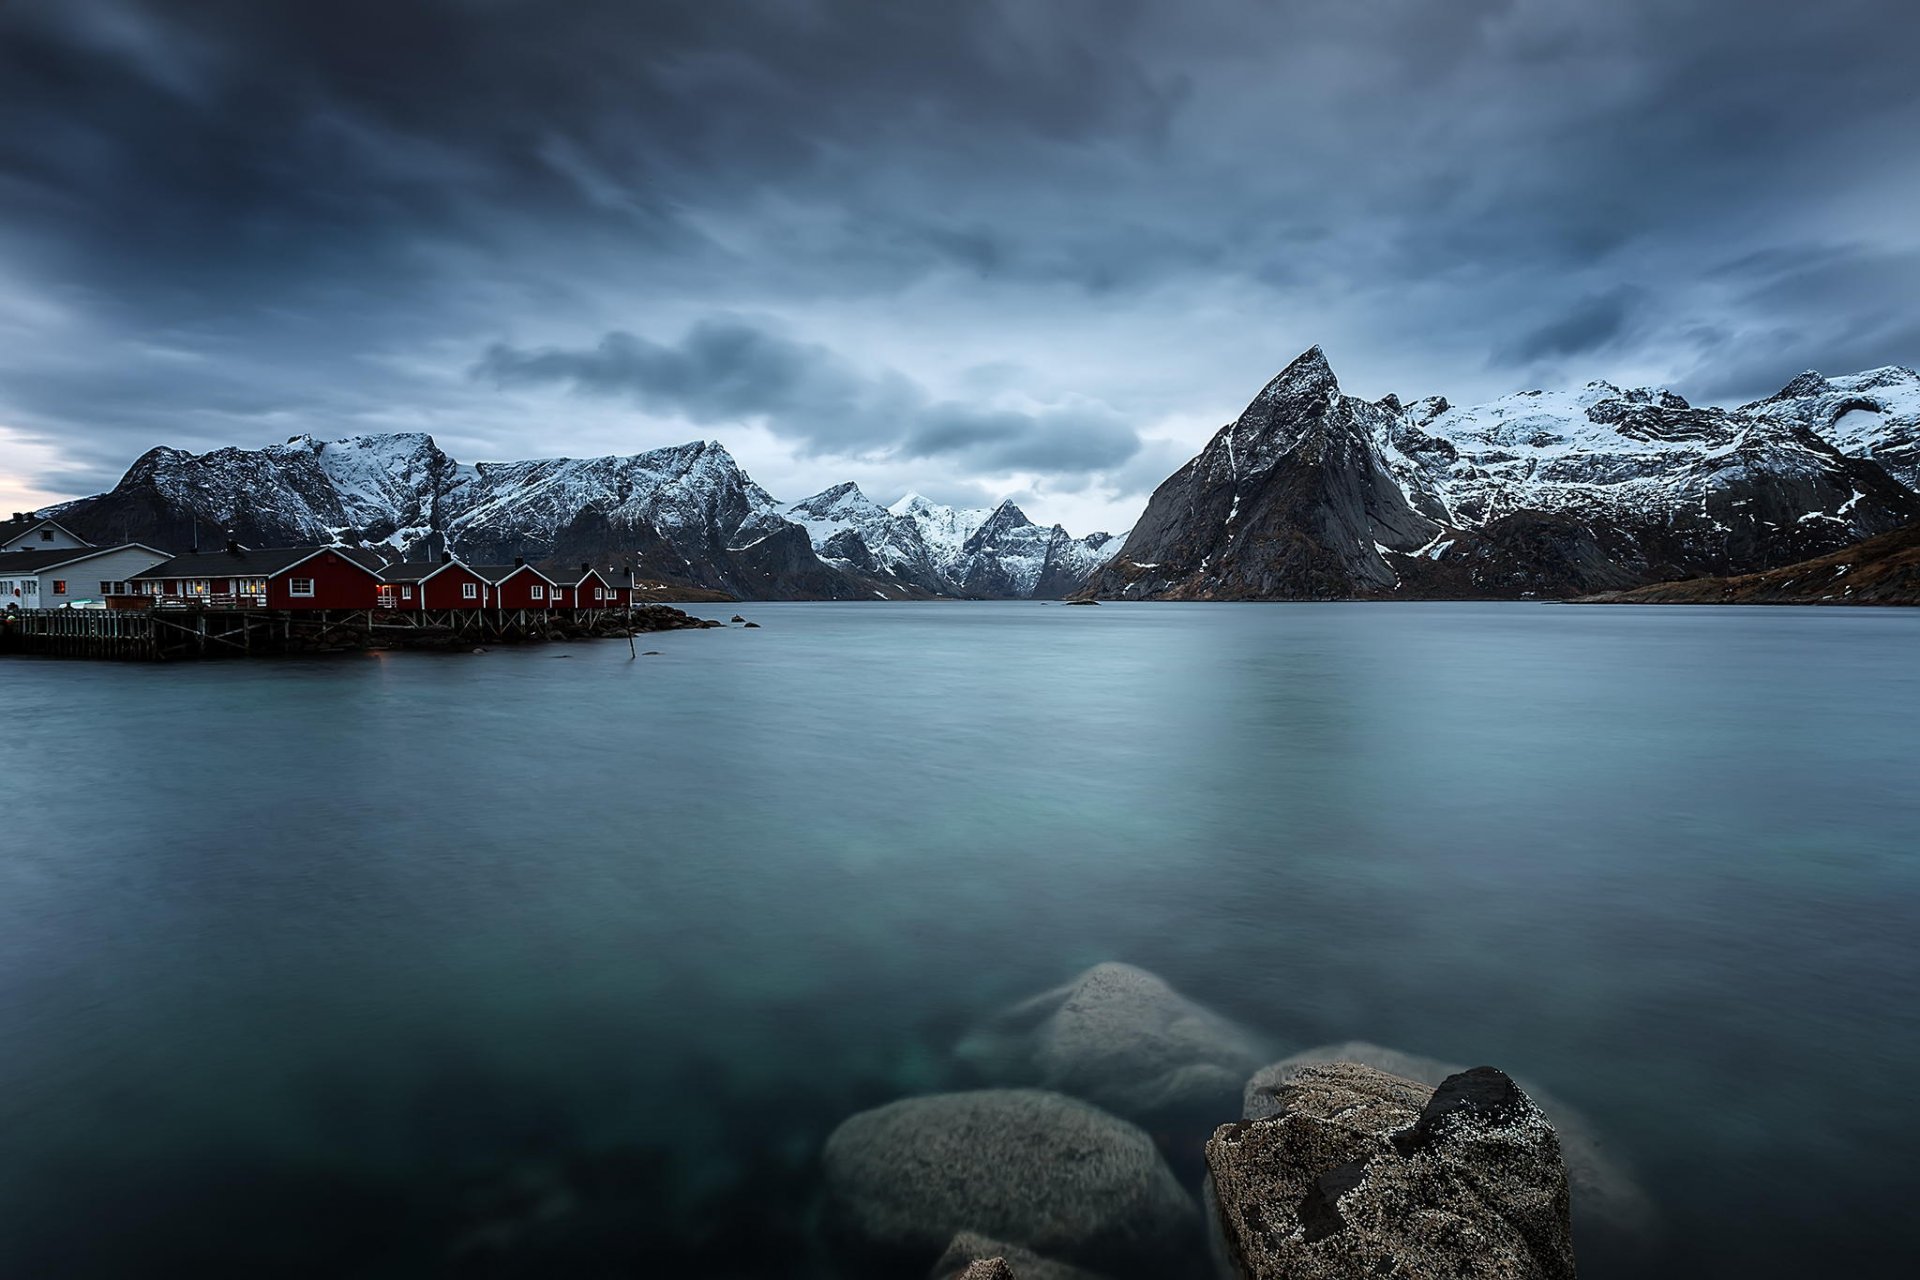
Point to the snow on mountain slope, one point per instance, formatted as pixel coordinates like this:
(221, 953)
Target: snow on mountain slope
(688, 513)
(847, 526)
(1315, 494)
(1875, 414)
(943, 529)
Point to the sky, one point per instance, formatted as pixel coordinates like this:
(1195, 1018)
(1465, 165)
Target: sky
(979, 249)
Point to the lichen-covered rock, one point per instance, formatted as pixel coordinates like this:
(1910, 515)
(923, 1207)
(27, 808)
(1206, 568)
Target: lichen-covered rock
(1121, 1038)
(988, 1269)
(1606, 1199)
(970, 1251)
(1036, 1169)
(1359, 1173)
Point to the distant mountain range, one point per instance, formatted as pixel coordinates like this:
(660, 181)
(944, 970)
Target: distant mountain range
(1316, 495)
(686, 515)
(1310, 494)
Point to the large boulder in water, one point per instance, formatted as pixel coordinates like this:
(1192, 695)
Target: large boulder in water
(1121, 1038)
(1036, 1169)
(1360, 1173)
(970, 1250)
(1606, 1199)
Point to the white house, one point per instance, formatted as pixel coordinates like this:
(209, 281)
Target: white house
(58, 576)
(24, 533)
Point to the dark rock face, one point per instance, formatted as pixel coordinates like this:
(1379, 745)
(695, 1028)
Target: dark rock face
(1883, 570)
(1607, 1202)
(1036, 1169)
(1121, 1038)
(1361, 1173)
(1315, 495)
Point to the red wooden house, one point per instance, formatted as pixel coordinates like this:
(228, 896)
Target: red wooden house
(520, 586)
(587, 588)
(426, 585)
(269, 577)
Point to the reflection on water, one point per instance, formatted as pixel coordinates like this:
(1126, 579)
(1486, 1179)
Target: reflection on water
(548, 962)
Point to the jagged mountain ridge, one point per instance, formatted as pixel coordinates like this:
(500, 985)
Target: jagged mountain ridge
(993, 553)
(1312, 494)
(687, 514)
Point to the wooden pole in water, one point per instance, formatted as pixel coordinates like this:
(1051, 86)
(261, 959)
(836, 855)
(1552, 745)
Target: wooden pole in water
(633, 582)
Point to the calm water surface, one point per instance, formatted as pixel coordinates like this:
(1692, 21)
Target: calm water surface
(378, 965)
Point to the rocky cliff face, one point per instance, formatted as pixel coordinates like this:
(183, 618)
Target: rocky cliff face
(687, 515)
(1312, 494)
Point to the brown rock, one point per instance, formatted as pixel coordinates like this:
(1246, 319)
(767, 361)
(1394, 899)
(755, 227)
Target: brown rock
(1359, 1173)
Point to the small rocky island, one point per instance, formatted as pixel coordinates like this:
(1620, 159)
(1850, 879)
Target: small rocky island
(1124, 1131)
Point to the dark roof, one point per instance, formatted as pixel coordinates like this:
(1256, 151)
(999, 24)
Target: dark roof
(53, 557)
(498, 573)
(572, 575)
(417, 570)
(253, 562)
(11, 529)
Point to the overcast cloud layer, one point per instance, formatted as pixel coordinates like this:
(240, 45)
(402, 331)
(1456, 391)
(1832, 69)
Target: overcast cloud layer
(1028, 247)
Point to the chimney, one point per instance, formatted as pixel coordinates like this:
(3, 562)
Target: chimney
(233, 548)
(19, 515)
(446, 557)
(519, 562)
(585, 567)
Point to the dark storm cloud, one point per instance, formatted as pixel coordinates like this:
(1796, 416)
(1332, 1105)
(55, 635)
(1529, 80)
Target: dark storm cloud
(1593, 324)
(730, 371)
(224, 220)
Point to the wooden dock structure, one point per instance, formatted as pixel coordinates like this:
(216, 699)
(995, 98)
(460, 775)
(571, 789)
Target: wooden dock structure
(169, 634)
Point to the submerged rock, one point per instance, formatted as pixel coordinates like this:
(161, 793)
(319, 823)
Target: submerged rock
(970, 1251)
(1036, 1169)
(1121, 1038)
(1606, 1199)
(1361, 1173)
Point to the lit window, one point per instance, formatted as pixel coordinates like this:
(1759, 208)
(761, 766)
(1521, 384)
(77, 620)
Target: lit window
(302, 587)
(469, 591)
(59, 586)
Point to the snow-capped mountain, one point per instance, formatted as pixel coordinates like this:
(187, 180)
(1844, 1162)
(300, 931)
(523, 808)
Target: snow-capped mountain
(686, 514)
(1874, 415)
(988, 552)
(1312, 494)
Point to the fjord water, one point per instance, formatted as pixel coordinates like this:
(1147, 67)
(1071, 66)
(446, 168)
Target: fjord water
(397, 964)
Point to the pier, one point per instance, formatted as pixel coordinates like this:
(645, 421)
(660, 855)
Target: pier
(173, 634)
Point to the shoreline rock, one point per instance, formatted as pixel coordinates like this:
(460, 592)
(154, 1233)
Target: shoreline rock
(1362, 1173)
(1123, 1039)
(1035, 1169)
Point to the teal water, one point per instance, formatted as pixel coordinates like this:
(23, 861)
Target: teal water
(342, 966)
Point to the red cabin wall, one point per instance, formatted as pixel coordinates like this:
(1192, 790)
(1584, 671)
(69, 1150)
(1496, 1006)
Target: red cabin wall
(338, 583)
(443, 589)
(516, 591)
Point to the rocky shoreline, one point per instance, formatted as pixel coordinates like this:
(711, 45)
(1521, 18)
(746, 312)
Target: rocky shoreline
(1124, 1131)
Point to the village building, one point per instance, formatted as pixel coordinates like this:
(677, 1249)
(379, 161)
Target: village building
(67, 576)
(520, 586)
(429, 585)
(28, 533)
(585, 587)
(264, 578)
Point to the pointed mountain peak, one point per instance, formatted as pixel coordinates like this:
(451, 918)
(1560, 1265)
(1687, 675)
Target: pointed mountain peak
(1006, 516)
(1307, 381)
(911, 503)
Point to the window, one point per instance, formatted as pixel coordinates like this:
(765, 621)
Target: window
(469, 591)
(300, 587)
(406, 593)
(597, 594)
(112, 588)
(539, 592)
(59, 586)
(46, 535)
